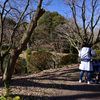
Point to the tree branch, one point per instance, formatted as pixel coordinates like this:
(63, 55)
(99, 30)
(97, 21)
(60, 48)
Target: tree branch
(4, 6)
(13, 33)
(33, 23)
(92, 19)
(74, 16)
(83, 18)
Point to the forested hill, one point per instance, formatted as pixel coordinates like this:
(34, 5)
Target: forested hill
(48, 35)
(45, 35)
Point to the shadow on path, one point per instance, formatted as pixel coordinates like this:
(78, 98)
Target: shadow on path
(69, 79)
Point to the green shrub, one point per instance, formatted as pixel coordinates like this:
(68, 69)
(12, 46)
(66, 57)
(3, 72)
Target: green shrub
(66, 51)
(40, 60)
(68, 59)
(97, 54)
(41, 49)
(4, 47)
(28, 51)
(19, 67)
(6, 60)
(73, 49)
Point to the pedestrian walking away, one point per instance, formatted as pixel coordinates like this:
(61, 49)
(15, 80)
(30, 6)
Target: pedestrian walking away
(86, 53)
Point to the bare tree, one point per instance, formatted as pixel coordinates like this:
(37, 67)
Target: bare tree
(86, 17)
(18, 10)
(66, 30)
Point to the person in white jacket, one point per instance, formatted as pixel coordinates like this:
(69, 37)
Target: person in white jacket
(86, 54)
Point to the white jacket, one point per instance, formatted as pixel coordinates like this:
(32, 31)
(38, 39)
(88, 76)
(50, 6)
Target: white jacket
(85, 53)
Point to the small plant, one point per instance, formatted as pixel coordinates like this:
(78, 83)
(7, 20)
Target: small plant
(8, 89)
(9, 98)
(9, 94)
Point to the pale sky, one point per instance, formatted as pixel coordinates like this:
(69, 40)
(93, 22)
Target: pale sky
(58, 6)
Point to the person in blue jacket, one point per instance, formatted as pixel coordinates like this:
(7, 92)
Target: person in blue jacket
(86, 54)
(98, 65)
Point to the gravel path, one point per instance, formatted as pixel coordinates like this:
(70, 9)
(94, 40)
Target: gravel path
(53, 84)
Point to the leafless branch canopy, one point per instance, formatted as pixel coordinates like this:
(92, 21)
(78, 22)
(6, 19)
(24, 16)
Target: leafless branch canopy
(86, 16)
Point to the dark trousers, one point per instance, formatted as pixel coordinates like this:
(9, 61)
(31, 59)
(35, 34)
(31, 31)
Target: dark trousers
(89, 75)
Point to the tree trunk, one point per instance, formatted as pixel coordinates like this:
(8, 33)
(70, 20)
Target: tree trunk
(10, 67)
(23, 43)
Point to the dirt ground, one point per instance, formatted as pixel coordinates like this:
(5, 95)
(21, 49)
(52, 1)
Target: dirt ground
(53, 84)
